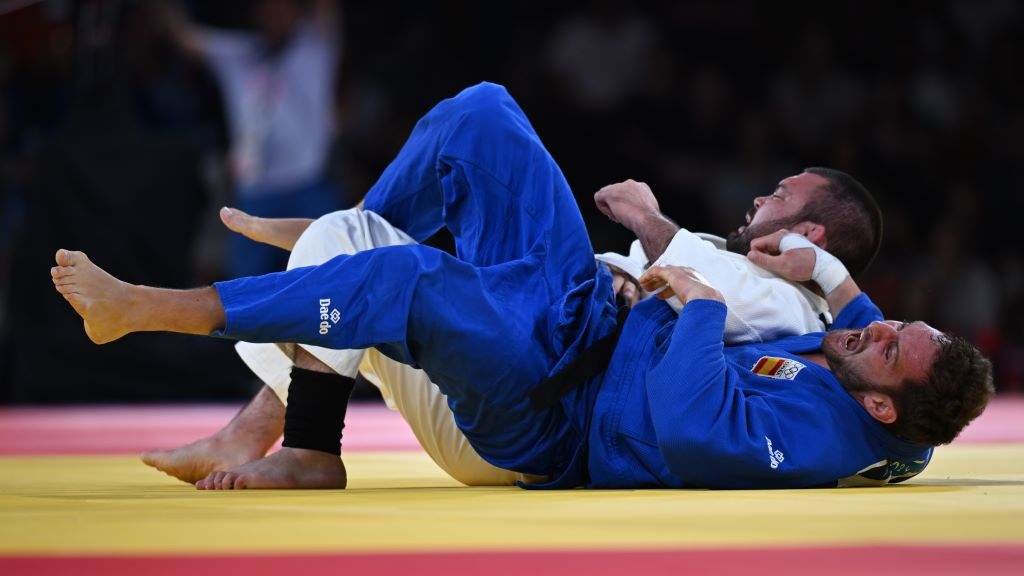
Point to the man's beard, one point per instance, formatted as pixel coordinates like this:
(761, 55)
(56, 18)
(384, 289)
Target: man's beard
(842, 368)
(739, 242)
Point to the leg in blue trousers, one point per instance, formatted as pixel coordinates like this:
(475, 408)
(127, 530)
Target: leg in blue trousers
(520, 299)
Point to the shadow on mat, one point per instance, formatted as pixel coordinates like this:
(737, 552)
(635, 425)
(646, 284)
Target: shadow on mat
(176, 492)
(967, 482)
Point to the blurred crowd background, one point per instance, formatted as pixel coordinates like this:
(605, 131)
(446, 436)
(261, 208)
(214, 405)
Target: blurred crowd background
(125, 125)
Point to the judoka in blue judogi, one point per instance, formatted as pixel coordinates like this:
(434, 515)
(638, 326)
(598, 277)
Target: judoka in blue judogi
(520, 301)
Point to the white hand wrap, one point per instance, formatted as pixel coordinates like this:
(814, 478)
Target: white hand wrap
(828, 272)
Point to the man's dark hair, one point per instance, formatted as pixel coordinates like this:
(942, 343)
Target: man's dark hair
(851, 217)
(956, 391)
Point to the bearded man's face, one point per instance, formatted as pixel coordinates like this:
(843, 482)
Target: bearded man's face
(784, 208)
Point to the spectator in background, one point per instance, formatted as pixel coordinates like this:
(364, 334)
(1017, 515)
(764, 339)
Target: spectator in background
(278, 89)
(114, 127)
(600, 57)
(703, 100)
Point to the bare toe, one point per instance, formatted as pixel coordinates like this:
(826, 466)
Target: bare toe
(211, 480)
(287, 468)
(198, 460)
(150, 458)
(101, 300)
(233, 218)
(69, 257)
(218, 476)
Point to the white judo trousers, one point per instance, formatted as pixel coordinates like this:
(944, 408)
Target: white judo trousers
(405, 389)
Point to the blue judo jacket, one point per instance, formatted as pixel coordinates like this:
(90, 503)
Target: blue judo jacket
(678, 408)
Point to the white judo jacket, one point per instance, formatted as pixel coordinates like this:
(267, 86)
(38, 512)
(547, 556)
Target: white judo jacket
(762, 306)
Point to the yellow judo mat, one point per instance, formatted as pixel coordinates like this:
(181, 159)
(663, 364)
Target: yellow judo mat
(75, 500)
(400, 501)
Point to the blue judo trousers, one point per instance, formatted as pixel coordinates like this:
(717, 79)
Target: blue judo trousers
(522, 298)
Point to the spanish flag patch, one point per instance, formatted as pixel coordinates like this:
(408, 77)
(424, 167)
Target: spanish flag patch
(780, 368)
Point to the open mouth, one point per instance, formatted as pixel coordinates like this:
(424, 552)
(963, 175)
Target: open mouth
(852, 341)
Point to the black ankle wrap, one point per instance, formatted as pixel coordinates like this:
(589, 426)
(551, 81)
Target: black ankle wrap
(315, 416)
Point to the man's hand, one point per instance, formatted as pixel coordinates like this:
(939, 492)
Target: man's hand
(680, 281)
(795, 265)
(633, 205)
(801, 264)
(172, 21)
(624, 285)
(627, 203)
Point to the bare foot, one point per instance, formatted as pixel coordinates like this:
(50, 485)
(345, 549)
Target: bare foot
(99, 298)
(280, 232)
(286, 468)
(193, 462)
(245, 224)
(247, 437)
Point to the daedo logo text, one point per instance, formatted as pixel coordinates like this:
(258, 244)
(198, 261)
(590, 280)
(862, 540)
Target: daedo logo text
(328, 317)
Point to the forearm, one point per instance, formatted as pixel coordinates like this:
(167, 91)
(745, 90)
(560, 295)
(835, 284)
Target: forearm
(655, 232)
(175, 24)
(689, 387)
(842, 295)
(801, 260)
(190, 39)
(693, 363)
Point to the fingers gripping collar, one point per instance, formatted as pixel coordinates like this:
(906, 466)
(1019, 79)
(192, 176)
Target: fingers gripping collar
(828, 272)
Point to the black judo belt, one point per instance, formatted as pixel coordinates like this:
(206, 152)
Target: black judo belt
(588, 364)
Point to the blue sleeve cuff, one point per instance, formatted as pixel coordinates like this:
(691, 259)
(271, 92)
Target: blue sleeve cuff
(228, 293)
(253, 308)
(702, 318)
(858, 313)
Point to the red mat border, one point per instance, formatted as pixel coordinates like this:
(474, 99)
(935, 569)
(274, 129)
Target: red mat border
(903, 560)
(129, 430)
